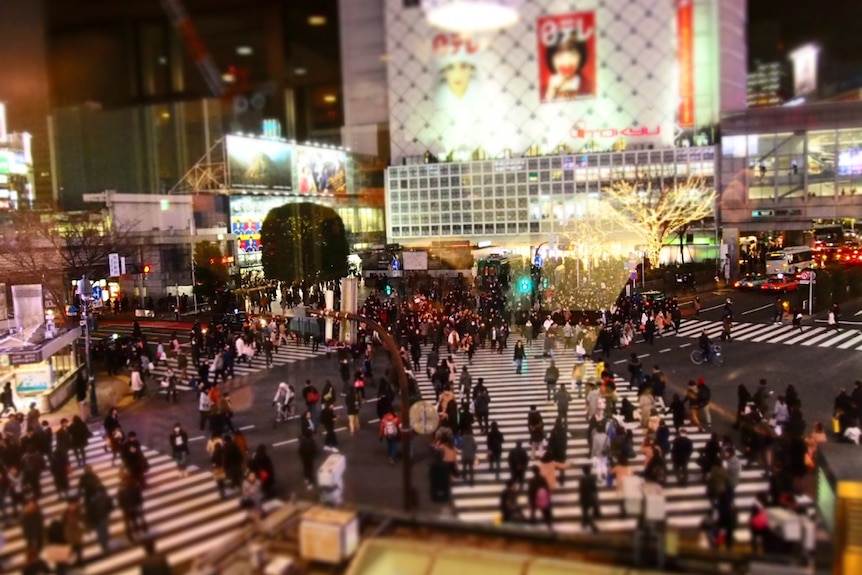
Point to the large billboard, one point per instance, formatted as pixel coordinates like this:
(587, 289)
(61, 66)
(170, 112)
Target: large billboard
(320, 171)
(582, 75)
(259, 164)
(247, 214)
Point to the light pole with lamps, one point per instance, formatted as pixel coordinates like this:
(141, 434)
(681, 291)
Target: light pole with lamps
(85, 293)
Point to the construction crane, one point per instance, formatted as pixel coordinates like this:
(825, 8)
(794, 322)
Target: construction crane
(179, 17)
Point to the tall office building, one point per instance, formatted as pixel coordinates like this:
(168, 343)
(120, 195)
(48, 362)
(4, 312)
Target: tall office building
(152, 84)
(532, 122)
(23, 58)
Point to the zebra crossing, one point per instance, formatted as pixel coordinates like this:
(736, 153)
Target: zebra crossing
(185, 515)
(810, 336)
(512, 395)
(284, 355)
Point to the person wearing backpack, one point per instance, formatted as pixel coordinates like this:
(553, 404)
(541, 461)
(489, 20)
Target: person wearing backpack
(312, 400)
(389, 430)
(704, 397)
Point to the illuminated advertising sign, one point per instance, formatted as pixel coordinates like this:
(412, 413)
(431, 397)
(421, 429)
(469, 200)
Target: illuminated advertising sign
(256, 163)
(685, 32)
(805, 69)
(581, 79)
(567, 57)
(320, 171)
(246, 218)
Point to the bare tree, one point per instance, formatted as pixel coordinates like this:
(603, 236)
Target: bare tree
(654, 209)
(52, 248)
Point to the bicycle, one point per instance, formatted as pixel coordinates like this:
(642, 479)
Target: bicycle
(716, 357)
(284, 411)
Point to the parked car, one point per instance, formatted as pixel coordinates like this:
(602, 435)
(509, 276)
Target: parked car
(780, 284)
(750, 282)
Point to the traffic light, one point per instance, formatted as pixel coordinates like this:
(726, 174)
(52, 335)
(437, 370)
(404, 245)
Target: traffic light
(525, 285)
(388, 289)
(147, 269)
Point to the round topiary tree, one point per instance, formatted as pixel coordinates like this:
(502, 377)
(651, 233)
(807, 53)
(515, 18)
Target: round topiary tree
(304, 242)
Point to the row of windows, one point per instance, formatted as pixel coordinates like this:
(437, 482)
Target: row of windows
(544, 176)
(562, 162)
(465, 229)
(457, 217)
(468, 198)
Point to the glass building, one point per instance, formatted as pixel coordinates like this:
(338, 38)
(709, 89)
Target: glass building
(507, 201)
(792, 164)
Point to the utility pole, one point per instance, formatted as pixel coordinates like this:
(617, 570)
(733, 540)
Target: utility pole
(85, 293)
(192, 252)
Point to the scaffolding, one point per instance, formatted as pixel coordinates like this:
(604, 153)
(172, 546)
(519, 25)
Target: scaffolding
(208, 175)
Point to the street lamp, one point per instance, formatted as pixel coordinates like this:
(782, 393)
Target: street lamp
(409, 499)
(85, 292)
(469, 16)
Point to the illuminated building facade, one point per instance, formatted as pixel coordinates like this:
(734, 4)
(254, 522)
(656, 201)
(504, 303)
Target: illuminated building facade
(506, 136)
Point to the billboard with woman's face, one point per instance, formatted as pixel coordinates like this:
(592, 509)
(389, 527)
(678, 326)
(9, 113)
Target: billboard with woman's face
(579, 75)
(567, 56)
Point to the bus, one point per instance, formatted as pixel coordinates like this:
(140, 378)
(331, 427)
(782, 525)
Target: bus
(790, 260)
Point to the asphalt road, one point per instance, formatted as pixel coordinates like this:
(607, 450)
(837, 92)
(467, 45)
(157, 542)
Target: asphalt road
(817, 373)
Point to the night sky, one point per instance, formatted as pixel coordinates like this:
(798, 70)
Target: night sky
(784, 25)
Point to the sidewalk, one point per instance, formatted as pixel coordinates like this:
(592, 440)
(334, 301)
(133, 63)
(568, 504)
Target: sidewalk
(111, 391)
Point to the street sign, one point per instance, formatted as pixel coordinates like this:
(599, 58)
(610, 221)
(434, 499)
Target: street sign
(97, 293)
(114, 265)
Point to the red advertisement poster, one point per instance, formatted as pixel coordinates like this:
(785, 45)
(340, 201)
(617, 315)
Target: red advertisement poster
(685, 31)
(567, 56)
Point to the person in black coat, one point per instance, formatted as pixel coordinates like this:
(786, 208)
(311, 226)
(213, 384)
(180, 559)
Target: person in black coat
(307, 454)
(261, 464)
(495, 448)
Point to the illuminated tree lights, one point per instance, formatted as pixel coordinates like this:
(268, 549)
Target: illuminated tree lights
(654, 209)
(304, 242)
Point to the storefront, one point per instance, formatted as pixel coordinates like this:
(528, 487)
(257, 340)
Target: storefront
(42, 373)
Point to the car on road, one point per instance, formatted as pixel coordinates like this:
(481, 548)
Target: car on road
(780, 284)
(235, 321)
(651, 297)
(750, 282)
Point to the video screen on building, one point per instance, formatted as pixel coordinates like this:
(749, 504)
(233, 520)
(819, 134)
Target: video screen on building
(850, 162)
(257, 163)
(320, 171)
(578, 76)
(247, 214)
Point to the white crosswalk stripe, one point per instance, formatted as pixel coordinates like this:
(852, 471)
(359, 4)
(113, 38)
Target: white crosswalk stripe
(819, 336)
(284, 355)
(185, 515)
(511, 397)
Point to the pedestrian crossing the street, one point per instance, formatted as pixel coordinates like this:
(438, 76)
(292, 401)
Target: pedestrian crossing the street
(284, 355)
(186, 516)
(511, 397)
(809, 336)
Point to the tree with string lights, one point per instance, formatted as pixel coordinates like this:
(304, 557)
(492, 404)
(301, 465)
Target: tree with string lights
(656, 208)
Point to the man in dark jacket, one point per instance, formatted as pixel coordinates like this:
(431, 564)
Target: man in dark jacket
(562, 398)
(519, 459)
(536, 428)
(307, 454)
(588, 494)
(680, 453)
(481, 405)
(552, 375)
